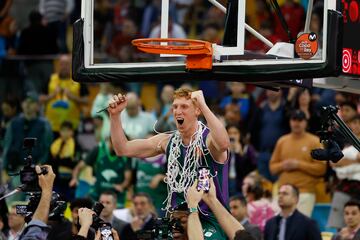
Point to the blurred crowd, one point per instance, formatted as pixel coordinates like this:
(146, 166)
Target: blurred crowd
(271, 172)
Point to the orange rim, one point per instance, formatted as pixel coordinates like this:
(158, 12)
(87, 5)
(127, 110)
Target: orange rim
(193, 47)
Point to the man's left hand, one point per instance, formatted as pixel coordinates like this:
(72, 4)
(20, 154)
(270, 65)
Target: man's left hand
(198, 99)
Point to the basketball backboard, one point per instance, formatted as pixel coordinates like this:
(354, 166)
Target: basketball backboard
(231, 60)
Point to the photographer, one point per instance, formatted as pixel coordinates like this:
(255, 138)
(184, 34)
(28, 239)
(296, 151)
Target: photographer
(37, 228)
(232, 228)
(86, 220)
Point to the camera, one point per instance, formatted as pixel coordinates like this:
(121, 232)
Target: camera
(30, 185)
(57, 207)
(28, 174)
(98, 223)
(162, 229)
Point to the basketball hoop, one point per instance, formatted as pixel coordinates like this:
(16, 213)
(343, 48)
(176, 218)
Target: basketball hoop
(198, 53)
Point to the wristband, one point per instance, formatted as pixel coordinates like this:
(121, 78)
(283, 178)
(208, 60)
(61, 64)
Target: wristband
(193, 210)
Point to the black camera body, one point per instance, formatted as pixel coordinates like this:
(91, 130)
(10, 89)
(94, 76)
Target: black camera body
(28, 175)
(98, 223)
(57, 206)
(30, 185)
(162, 229)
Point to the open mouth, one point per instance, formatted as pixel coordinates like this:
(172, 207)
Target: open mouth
(180, 121)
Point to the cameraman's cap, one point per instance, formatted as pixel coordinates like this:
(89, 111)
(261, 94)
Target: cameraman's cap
(298, 115)
(31, 96)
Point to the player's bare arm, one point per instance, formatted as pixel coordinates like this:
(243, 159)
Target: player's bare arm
(140, 148)
(217, 145)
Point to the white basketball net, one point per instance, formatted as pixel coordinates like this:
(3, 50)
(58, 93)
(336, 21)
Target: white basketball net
(180, 176)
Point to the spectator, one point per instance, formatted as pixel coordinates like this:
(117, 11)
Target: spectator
(162, 112)
(268, 125)
(238, 209)
(37, 228)
(211, 33)
(267, 30)
(100, 101)
(294, 15)
(16, 224)
(232, 115)
(64, 157)
(56, 13)
(348, 110)
(290, 223)
(135, 122)
(292, 162)
(241, 98)
(20, 11)
(123, 10)
(65, 97)
(193, 21)
(9, 110)
(260, 209)
(85, 221)
(175, 30)
(242, 159)
(7, 28)
(348, 174)
(27, 124)
(108, 199)
(352, 221)
(128, 32)
(180, 214)
(2, 229)
(37, 39)
(151, 15)
(103, 13)
(300, 98)
(165, 104)
(4, 212)
(150, 174)
(143, 216)
(61, 227)
(112, 172)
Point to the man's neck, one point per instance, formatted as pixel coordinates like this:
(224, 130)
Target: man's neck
(286, 212)
(354, 228)
(241, 219)
(108, 218)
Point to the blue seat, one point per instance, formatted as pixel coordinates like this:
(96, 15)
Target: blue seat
(320, 214)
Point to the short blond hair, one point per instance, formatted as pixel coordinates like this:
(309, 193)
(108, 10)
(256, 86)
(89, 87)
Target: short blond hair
(183, 92)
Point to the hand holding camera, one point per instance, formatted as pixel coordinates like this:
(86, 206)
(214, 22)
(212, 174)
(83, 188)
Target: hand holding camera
(194, 195)
(46, 177)
(211, 194)
(85, 220)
